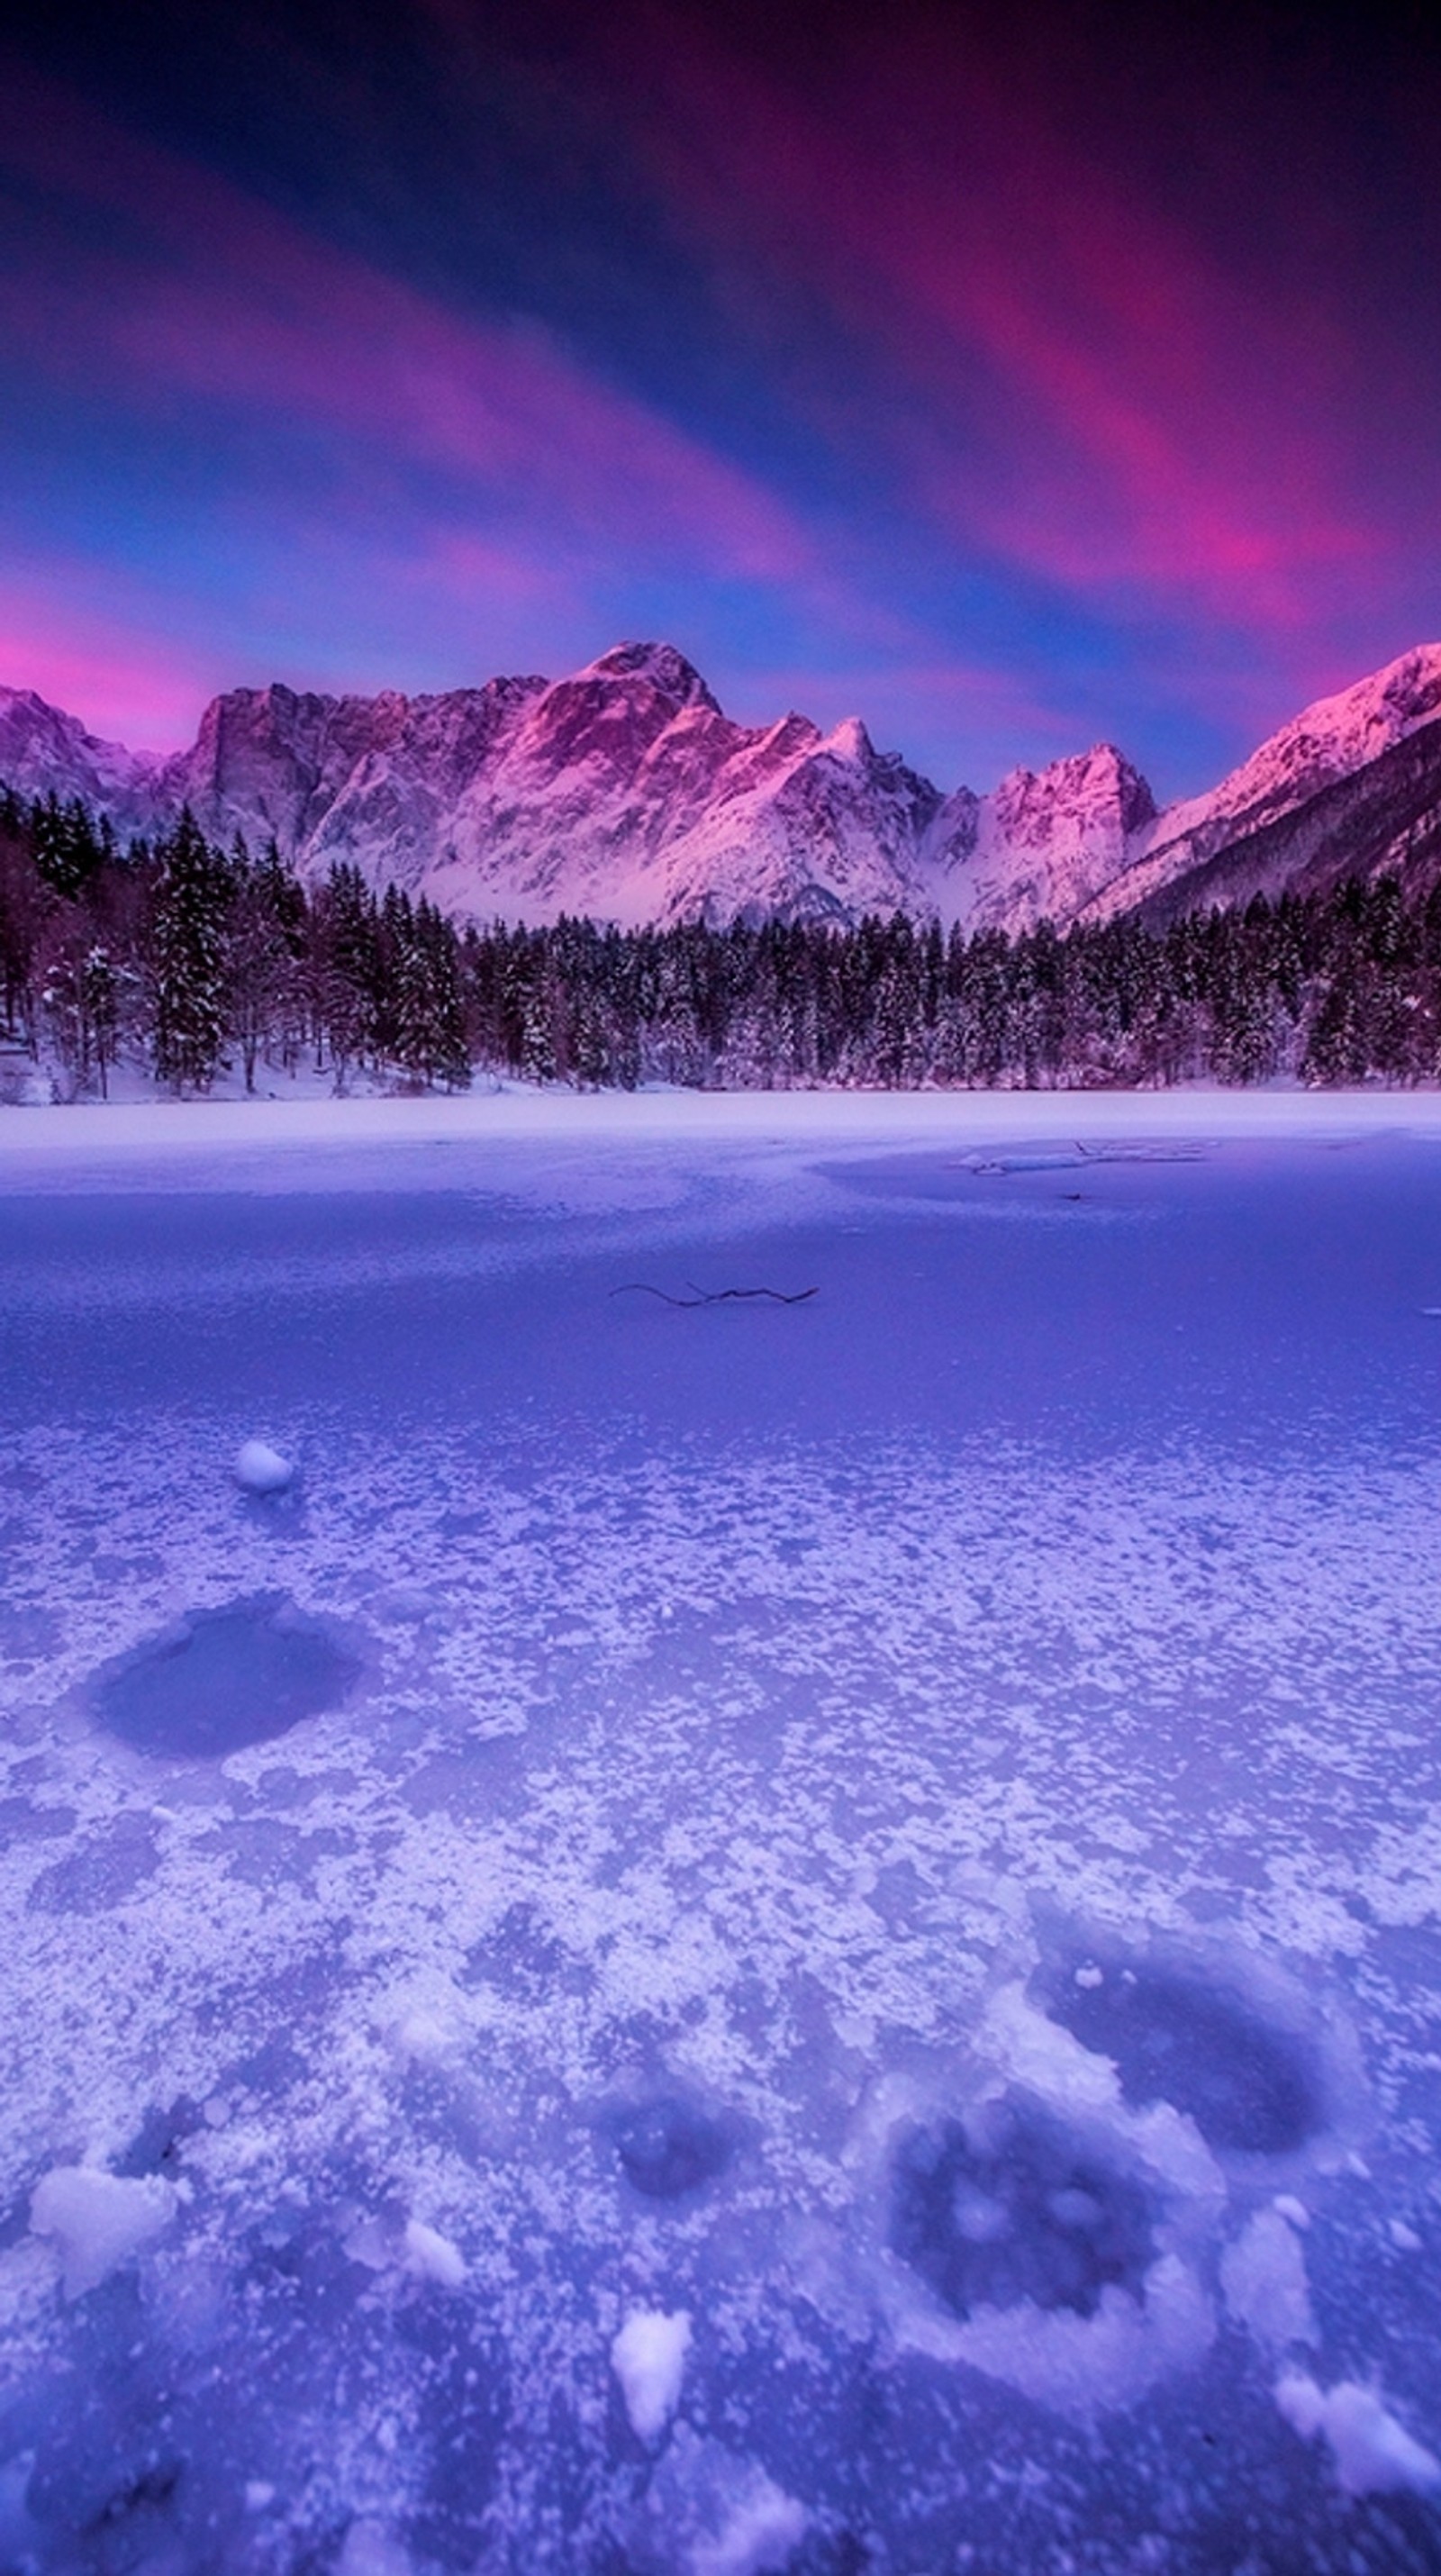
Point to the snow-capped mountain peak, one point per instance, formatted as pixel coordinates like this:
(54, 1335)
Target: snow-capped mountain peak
(1328, 742)
(625, 792)
(1041, 844)
(665, 669)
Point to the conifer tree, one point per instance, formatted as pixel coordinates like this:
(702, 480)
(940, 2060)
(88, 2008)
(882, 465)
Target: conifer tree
(346, 971)
(266, 942)
(188, 962)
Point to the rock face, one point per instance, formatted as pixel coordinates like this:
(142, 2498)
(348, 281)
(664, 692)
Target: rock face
(42, 750)
(625, 793)
(1042, 846)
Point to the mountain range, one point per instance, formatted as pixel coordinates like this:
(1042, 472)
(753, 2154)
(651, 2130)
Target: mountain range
(626, 794)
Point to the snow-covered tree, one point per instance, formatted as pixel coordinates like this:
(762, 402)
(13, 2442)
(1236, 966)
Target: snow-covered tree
(188, 960)
(265, 943)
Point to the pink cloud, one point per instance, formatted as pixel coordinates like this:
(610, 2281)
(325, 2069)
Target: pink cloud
(1073, 383)
(112, 667)
(228, 302)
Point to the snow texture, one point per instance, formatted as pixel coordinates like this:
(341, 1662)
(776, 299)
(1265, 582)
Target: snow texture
(904, 1830)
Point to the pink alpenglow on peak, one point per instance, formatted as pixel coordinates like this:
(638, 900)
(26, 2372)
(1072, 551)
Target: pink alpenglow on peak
(1042, 845)
(1334, 741)
(625, 793)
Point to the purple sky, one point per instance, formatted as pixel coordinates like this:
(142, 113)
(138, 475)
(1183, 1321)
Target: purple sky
(1008, 388)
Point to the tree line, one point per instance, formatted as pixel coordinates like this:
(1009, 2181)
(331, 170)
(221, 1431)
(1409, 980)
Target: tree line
(191, 960)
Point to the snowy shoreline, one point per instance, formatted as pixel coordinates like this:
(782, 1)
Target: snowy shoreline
(217, 1144)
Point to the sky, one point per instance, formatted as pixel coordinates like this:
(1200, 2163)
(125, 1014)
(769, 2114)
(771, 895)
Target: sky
(1011, 378)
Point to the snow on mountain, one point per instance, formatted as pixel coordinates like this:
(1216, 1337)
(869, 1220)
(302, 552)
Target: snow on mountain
(1383, 819)
(42, 750)
(1041, 846)
(624, 792)
(1328, 743)
(374, 780)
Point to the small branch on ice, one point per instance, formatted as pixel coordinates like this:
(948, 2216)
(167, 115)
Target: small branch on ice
(713, 1296)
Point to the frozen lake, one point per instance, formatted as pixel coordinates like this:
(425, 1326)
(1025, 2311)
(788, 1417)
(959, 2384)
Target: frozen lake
(731, 1936)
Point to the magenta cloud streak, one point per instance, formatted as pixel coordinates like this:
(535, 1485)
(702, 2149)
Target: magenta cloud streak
(242, 307)
(1080, 389)
(472, 467)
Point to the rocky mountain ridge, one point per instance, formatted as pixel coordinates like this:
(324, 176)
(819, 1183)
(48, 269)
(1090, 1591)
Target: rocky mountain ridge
(625, 793)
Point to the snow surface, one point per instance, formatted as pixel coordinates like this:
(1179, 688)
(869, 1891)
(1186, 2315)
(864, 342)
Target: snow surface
(904, 1830)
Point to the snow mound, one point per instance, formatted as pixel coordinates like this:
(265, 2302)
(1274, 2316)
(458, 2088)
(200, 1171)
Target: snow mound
(1374, 2455)
(1264, 2278)
(98, 2219)
(431, 2256)
(648, 2357)
(259, 1469)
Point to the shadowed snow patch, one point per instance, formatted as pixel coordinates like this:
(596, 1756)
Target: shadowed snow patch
(1251, 2086)
(221, 1679)
(709, 2513)
(1011, 2207)
(668, 2146)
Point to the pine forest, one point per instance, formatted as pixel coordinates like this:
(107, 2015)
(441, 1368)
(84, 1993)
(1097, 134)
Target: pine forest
(190, 963)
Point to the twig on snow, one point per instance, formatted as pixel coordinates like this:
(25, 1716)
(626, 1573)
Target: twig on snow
(713, 1296)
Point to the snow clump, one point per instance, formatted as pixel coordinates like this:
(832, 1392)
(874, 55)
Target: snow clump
(98, 2219)
(1374, 2454)
(259, 1469)
(648, 2358)
(431, 2256)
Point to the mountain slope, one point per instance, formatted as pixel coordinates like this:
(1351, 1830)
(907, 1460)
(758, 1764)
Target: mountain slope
(1255, 807)
(43, 750)
(626, 793)
(1384, 819)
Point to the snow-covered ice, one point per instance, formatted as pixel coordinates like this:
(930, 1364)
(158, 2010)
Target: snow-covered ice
(736, 1937)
